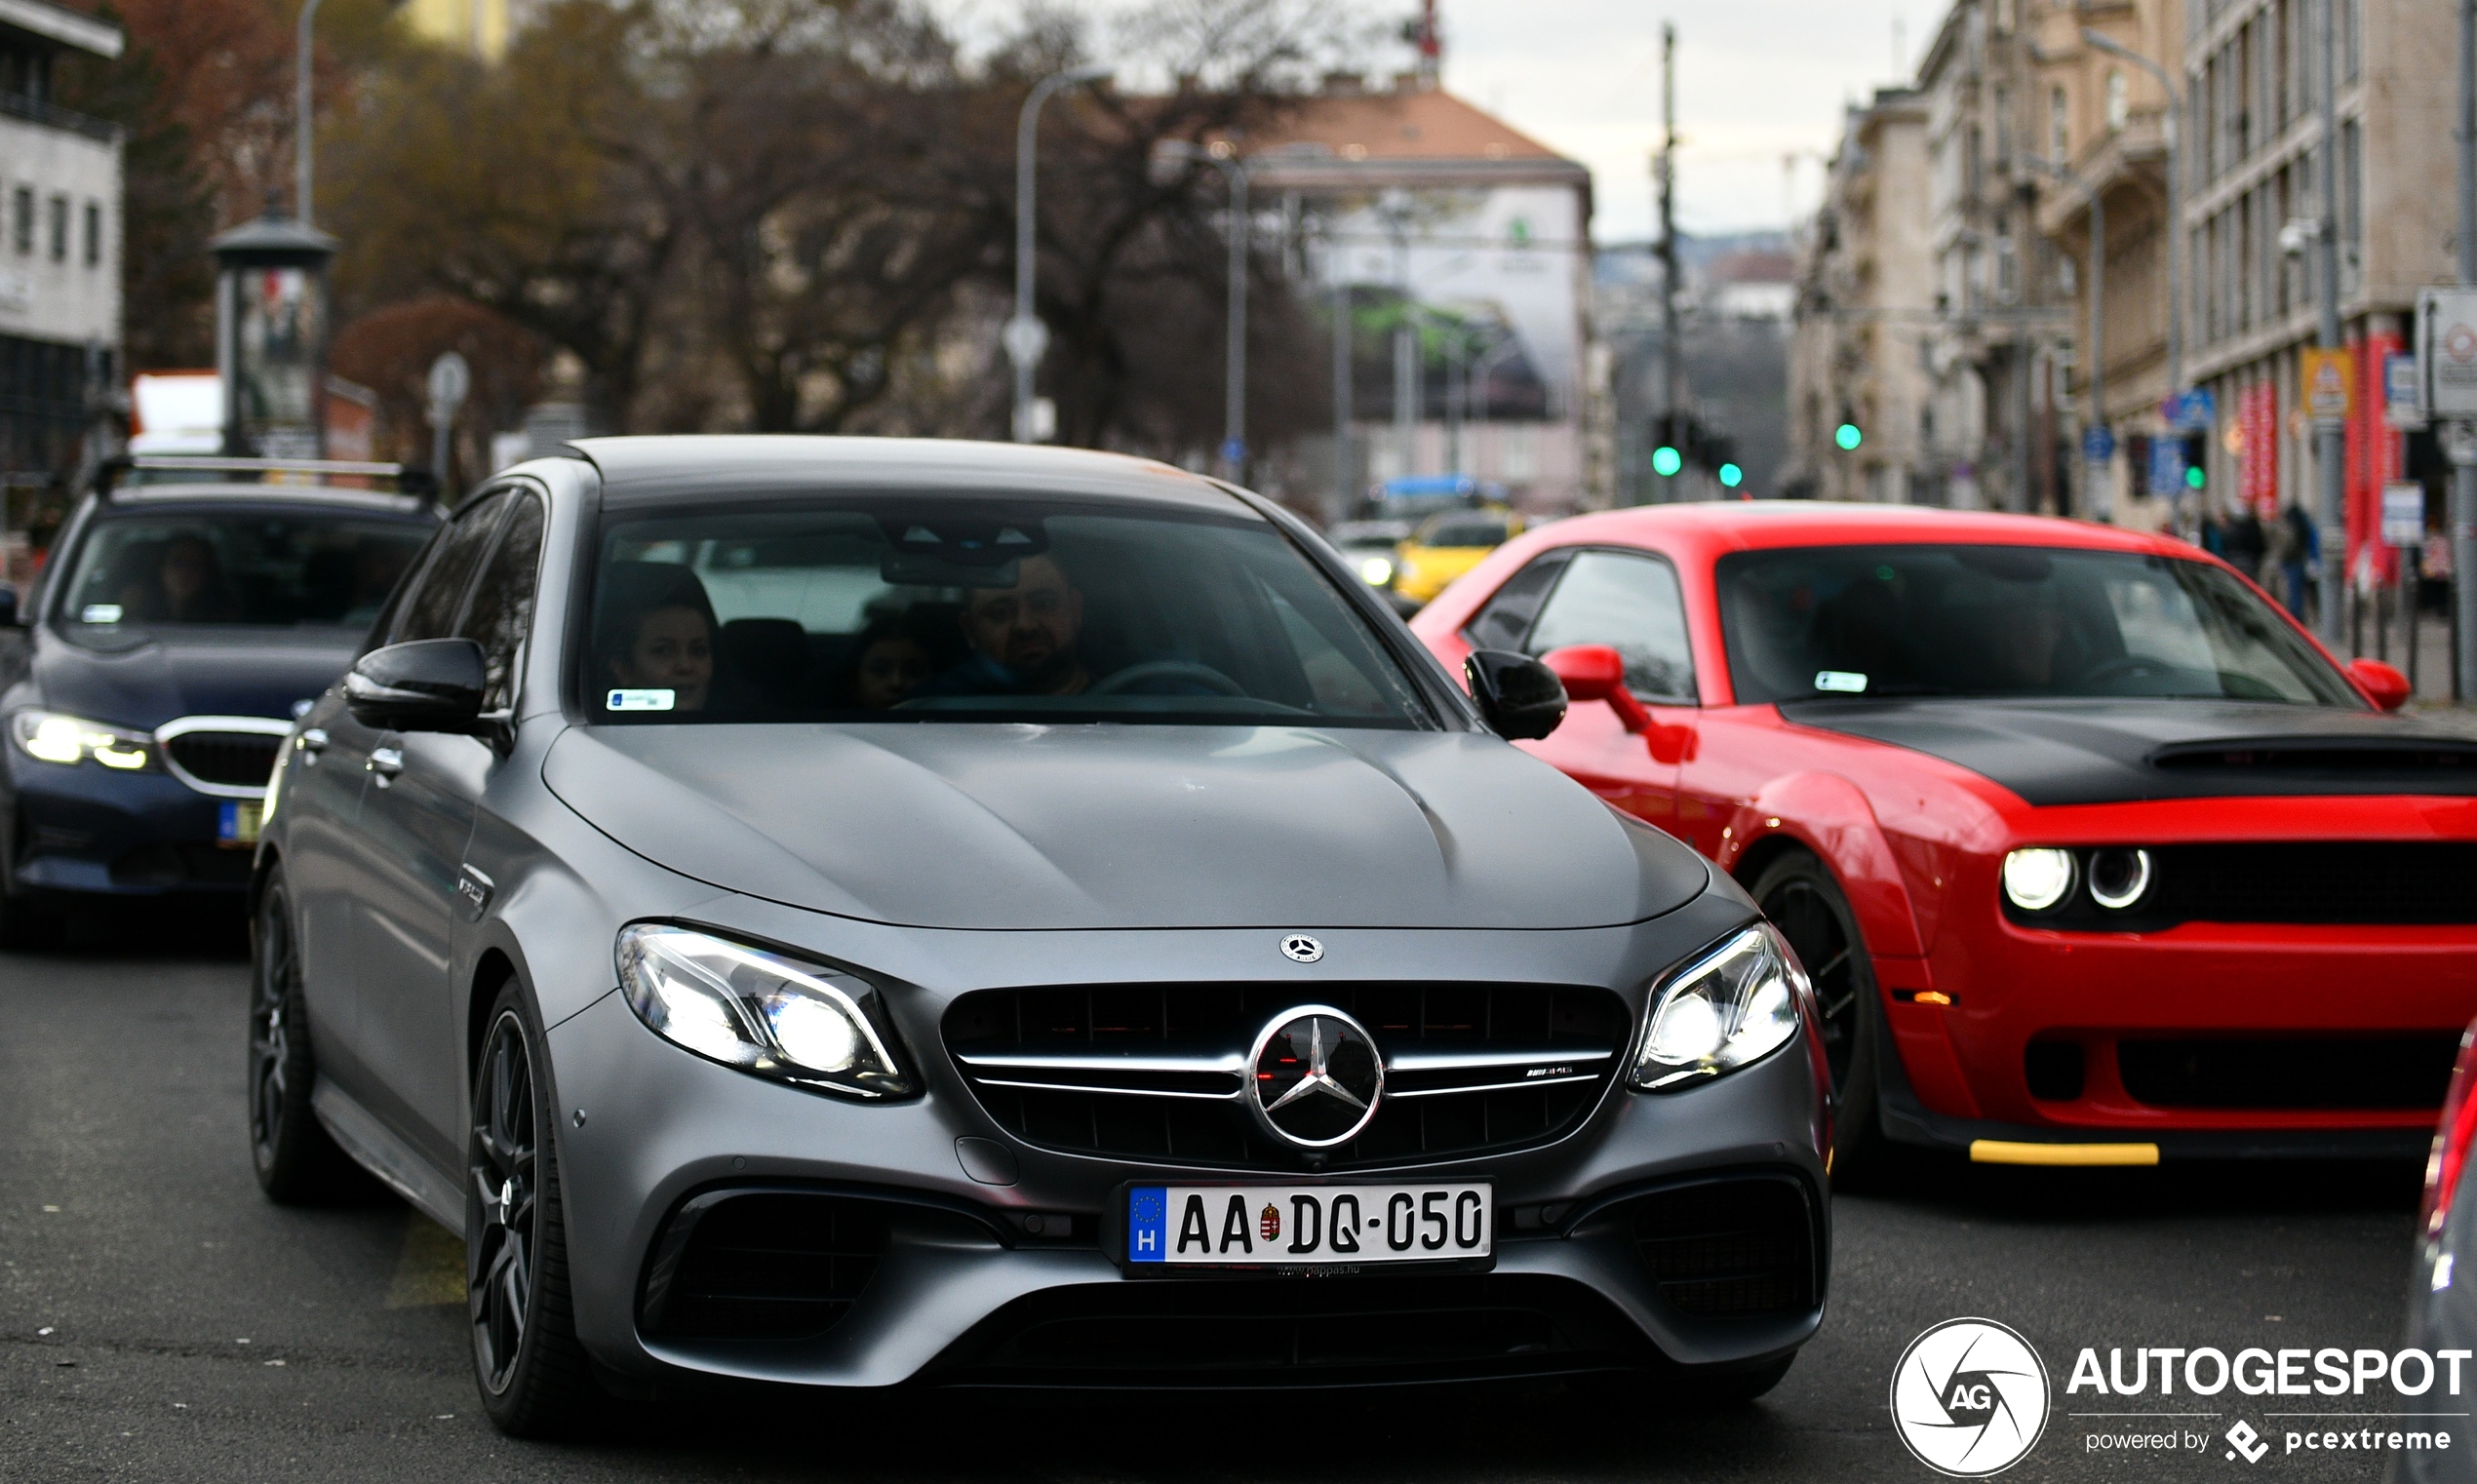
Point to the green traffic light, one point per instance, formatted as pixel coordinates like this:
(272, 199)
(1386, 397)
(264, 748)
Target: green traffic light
(1732, 475)
(1848, 436)
(1667, 461)
(2194, 478)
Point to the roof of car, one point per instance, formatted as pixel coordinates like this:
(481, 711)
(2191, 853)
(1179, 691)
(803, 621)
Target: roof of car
(1741, 525)
(663, 469)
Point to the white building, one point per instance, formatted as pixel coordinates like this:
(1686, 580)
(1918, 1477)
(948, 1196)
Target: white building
(59, 243)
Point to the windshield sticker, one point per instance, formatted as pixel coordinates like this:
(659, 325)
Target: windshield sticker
(638, 700)
(1846, 681)
(99, 613)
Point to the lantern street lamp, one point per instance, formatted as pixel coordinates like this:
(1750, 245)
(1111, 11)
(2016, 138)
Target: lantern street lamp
(272, 327)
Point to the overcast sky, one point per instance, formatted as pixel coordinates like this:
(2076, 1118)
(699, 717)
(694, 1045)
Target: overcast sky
(1756, 79)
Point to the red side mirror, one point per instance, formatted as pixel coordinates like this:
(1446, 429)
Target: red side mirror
(2382, 684)
(1597, 673)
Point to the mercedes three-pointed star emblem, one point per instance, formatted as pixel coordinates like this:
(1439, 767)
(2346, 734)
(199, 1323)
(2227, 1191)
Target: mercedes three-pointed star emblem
(1318, 1078)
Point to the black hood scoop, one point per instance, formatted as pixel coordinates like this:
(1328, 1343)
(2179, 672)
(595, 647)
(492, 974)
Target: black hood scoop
(2098, 751)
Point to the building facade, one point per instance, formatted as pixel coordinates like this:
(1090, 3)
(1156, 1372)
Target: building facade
(1865, 322)
(60, 247)
(1457, 252)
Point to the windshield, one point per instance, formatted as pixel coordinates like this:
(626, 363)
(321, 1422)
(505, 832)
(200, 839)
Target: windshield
(238, 566)
(2006, 620)
(968, 609)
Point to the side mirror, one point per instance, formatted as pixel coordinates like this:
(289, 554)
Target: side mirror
(1597, 673)
(1521, 699)
(2382, 684)
(429, 685)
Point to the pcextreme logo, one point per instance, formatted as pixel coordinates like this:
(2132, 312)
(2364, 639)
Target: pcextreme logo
(1970, 1397)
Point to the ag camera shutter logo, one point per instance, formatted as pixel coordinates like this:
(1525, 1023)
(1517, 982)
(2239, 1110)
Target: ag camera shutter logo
(1970, 1397)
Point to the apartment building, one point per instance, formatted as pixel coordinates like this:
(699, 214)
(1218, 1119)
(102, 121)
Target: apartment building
(59, 245)
(2253, 203)
(1866, 321)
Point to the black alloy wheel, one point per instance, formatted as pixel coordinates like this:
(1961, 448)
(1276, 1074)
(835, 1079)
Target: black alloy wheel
(535, 1377)
(294, 1159)
(1803, 901)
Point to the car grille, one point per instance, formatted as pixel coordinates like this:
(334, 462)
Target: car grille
(2365, 883)
(225, 758)
(2290, 1072)
(1732, 1247)
(1400, 1327)
(1155, 1071)
(761, 1266)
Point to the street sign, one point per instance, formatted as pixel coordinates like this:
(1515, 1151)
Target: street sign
(1234, 451)
(2329, 387)
(2403, 515)
(2098, 444)
(2447, 351)
(2190, 411)
(450, 381)
(2167, 467)
(1026, 337)
(2403, 397)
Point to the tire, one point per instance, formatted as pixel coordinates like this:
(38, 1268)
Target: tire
(295, 1162)
(533, 1376)
(1799, 895)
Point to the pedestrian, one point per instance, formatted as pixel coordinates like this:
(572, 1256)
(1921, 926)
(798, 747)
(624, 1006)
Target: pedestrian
(2244, 542)
(2303, 545)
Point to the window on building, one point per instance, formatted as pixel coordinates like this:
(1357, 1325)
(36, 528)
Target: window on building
(2119, 99)
(93, 233)
(2351, 202)
(2058, 125)
(2345, 18)
(59, 229)
(2003, 122)
(22, 219)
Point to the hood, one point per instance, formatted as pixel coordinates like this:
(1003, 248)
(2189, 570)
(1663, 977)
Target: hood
(2096, 751)
(1011, 826)
(143, 677)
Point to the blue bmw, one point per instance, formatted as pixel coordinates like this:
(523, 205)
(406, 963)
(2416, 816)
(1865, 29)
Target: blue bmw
(190, 609)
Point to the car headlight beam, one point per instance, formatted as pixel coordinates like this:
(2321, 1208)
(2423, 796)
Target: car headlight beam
(2038, 879)
(1729, 1008)
(762, 1012)
(48, 736)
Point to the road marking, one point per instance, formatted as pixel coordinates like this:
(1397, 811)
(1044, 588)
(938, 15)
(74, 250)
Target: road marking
(431, 1270)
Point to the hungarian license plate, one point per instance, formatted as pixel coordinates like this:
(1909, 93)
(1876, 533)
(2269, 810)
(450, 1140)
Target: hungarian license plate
(1322, 1226)
(239, 824)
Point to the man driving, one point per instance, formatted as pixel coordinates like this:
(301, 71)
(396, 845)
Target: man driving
(1023, 637)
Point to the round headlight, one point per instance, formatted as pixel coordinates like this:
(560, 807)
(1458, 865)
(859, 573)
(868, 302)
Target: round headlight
(2118, 878)
(1376, 571)
(2037, 879)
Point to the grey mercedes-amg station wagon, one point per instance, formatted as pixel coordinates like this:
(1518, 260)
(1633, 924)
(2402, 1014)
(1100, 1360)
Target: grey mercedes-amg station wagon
(854, 912)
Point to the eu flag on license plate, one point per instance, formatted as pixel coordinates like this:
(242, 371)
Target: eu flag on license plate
(1146, 1224)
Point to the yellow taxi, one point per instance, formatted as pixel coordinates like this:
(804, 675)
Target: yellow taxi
(1447, 545)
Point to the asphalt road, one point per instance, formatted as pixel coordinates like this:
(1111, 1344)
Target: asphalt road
(159, 1320)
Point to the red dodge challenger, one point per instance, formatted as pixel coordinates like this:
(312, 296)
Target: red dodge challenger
(2094, 855)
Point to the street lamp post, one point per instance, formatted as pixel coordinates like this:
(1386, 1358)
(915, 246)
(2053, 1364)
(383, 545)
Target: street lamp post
(2175, 199)
(1223, 156)
(2330, 434)
(1026, 337)
(2464, 507)
(302, 174)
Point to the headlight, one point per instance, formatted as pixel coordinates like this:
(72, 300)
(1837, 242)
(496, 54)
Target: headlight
(1376, 571)
(1735, 1005)
(758, 1011)
(2036, 880)
(51, 737)
(2118, 878)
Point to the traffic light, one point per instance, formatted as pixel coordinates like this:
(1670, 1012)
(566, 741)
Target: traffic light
(1848, 437)
(1666, 461)
(2197, 453)
(1731, 476)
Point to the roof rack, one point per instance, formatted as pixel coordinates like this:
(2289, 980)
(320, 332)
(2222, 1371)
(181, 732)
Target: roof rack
(115, 471)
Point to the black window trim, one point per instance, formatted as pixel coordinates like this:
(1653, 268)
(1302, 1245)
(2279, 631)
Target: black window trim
(1567, 554)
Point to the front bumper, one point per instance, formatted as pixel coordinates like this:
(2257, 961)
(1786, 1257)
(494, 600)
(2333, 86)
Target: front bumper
(2162, 1028)
(965, 1289)
(86, 830)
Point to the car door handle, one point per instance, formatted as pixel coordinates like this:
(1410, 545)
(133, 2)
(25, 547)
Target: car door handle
(313, 742)
(387, 762)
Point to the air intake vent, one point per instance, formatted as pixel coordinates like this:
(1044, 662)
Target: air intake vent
(2323, 1071)
(1729, 1248)
(2334, 757)
(761, 1266)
